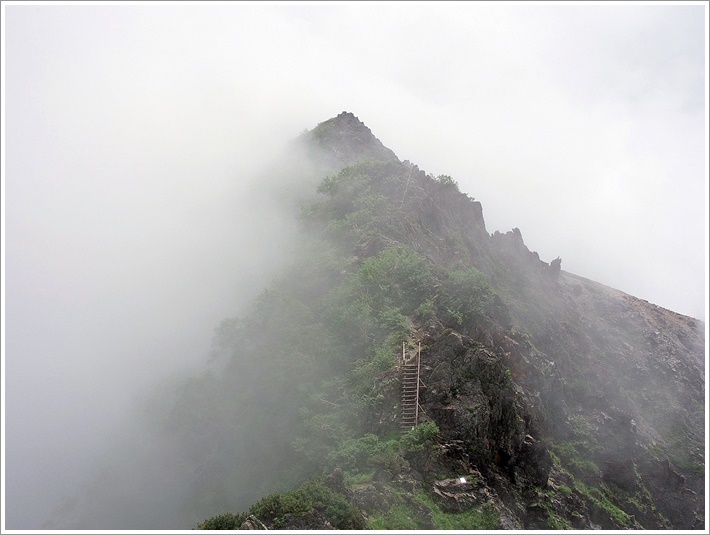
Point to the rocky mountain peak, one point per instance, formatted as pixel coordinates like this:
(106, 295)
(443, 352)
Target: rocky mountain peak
(345, 140)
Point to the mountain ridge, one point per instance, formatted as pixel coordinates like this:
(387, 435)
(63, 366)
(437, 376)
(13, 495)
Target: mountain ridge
(549, 401)
(625, 461)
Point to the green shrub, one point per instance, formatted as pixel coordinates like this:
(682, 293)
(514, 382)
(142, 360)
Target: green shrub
(446, 180)
(363, 453)
(397, 276)
(311, 495)
(564, 489)
(224, 521)
(420, 437)
(391, 323)
(354, 453)
(372, 305)
(333, 505)
(466, 298)
(425, 311)
(358, 203)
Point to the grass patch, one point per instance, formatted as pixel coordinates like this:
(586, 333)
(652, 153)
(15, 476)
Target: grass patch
(569, 456)
(564, 489)
(398, 517)
(601, 499)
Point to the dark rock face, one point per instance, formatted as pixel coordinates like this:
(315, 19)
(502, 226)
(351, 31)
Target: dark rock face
(473, 399)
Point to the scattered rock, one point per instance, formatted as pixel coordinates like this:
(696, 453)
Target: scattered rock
(253, 523)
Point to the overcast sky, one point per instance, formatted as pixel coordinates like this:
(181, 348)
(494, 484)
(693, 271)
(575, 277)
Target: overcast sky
(132, 131)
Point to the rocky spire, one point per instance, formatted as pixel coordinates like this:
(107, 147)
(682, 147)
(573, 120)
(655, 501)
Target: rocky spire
(345, 140)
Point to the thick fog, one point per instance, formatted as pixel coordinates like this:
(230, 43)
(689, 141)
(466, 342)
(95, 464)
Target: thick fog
(135, 136)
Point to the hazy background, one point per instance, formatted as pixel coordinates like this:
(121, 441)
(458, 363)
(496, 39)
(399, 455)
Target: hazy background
(133, 135)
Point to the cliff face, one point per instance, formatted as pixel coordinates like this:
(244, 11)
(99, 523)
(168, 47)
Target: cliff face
(548, 400)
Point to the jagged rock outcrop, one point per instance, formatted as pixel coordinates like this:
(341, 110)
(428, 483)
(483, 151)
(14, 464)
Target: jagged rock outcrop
(471, 396)
(253, 523)
(344, 140)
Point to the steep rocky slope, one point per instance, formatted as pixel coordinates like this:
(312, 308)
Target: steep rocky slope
(548, 400)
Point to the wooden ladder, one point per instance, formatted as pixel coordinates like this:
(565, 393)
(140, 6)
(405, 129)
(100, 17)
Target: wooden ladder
(409, 405)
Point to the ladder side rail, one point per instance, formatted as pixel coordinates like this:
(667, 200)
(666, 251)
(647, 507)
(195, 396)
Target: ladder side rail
(419, 357)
